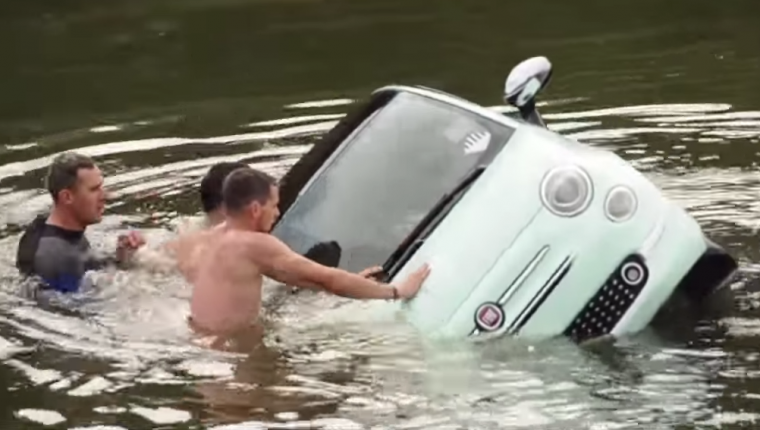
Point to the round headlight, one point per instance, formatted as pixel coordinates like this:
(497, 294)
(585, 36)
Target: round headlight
(620, 204)
(566, 191)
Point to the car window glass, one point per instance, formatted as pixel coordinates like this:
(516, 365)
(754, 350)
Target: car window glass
(387, 177)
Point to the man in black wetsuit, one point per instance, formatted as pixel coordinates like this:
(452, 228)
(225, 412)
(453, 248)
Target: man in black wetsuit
(54, 248)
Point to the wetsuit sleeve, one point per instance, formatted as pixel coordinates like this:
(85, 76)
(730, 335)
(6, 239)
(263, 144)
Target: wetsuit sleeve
(28, 245)
(96, 261)
(101, 262)
(59, 264)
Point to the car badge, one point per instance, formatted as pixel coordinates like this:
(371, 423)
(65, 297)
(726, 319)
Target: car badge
(489, 316)
(477, 142)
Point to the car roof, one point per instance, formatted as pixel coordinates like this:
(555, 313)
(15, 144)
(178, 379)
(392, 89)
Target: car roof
(452, 99)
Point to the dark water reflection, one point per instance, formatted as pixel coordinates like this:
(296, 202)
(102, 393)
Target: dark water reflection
(159, 90)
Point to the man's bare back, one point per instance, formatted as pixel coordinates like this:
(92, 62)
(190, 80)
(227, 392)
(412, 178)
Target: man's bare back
(226, 285)
(186, 249)
(226, 264)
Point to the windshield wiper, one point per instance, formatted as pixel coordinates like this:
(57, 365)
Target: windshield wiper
(429, 222)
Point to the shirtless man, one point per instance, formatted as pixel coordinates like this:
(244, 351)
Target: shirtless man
(210, 191)
(183, 246)
(226, 270)
(191, 234)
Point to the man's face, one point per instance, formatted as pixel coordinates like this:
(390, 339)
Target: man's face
(86, 199)
(267, 214)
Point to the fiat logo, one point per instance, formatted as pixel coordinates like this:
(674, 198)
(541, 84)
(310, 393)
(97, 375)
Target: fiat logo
(489, 316)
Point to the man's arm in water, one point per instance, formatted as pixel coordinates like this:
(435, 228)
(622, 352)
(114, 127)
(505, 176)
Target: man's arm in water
(59, 265)
(282, 264)
(170, 254)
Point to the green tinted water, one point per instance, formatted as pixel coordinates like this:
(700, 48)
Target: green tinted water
(160, 90)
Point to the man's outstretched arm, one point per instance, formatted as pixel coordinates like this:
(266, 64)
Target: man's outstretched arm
(282, 264)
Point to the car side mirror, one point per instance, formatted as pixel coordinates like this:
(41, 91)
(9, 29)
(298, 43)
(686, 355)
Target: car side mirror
(325, 253)
(523, 84)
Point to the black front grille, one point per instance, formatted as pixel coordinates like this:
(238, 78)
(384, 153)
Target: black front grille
(610, 303)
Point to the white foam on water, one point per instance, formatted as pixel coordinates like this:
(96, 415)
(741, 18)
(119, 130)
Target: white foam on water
(607, 425)
(563, 127)
(162, 415)
(295, 120)
(21, 146)
(35, 376)
(369, 405)
(112, 148)
(320, 424)
(106, 128)
(606, 134)
(94, 386)
(287, 416)
(206, 368)
(99, 427)
(727, 418)
(110, 410)
(10, 348)
(704, 117)
(41, 416)
(249, 425)
(336, 424)
(124, 375)
(159, 376)
(329, 355)
(320, 103)
(291, 391)
(63, 383)
(672, 109)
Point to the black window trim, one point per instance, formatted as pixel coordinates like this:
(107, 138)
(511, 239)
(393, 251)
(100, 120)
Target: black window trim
(417, 237)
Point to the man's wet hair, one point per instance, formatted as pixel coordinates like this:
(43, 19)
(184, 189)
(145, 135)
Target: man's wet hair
(63, 172)
(245, 186)
(213, 181)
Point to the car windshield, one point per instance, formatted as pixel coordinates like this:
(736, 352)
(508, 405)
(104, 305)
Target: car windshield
(388, 174)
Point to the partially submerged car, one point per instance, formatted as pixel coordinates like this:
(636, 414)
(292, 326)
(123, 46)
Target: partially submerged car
(528, 232)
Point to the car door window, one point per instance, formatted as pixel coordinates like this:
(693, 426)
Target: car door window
(387, 176)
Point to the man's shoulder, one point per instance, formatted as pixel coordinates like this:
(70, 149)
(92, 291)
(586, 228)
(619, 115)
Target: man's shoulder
(35, 228)
(28, 244)
(241, 236)
(188, 225)
(251, 241)
(193, 236)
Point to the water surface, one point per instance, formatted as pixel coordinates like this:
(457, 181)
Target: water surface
(160, 90)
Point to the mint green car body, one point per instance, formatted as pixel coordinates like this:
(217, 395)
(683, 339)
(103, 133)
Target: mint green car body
(499, 243)
(531, 243)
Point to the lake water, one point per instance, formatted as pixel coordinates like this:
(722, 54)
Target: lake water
(159, 90)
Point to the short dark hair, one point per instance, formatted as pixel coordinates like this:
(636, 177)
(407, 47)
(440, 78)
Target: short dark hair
(212, 182)
(244, 186)
(64, 172)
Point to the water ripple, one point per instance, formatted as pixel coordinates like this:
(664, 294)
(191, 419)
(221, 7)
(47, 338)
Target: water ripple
(131, 354)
